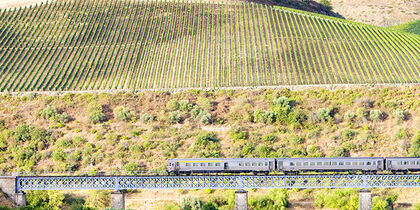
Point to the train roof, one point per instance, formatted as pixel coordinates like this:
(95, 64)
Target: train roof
(220, 159)
(335, 158)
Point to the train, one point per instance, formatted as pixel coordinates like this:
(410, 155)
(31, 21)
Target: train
(365, 165)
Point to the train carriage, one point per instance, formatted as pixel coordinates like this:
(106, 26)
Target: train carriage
(403, 164)
(296, 165)
(219, 165)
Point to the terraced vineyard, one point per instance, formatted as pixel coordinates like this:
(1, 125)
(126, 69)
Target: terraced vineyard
(114, 44)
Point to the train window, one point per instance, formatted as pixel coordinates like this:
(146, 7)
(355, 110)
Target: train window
(187, 164)
(217, 164)
(418, 162)
(195, 164)
(374, 163)
(334, 163)
(202, 164)
(312, 163)
(177, 163)
(305, 163)
(241, 163)
(299, 164)
(247, 164)
(266, 164)
(412, 162)
(405, 162)
(341, 163)
(354, 163)
(399, 163)
(361, 163)
(254, 164)
(327, 163)
(319, 163)
(368, 163)
(292, 164)
(210, 164)
(260, 164)
(348, 163)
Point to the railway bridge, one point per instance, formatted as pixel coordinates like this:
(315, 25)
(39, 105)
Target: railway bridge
(15, 186)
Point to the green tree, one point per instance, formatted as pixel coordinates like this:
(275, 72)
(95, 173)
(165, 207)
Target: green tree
(415, 146)
(95, 113)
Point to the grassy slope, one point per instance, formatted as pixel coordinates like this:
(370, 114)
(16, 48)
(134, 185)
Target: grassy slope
(118, 146)
(410, 27)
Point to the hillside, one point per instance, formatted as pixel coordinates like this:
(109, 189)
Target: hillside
(101, 45)
(410, 27)
(126, 132)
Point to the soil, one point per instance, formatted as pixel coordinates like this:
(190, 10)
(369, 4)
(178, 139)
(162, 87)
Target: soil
(5, 4)
(382, 13)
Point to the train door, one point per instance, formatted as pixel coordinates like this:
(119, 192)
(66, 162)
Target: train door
(279, 165)
(225, 166)
(270, 165)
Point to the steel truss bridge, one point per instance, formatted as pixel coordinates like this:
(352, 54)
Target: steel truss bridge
(213, 182)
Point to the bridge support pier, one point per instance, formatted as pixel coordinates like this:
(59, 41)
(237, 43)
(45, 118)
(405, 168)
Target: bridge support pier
(365, 199)
(20, 198)
(117, 200)
(241, 200)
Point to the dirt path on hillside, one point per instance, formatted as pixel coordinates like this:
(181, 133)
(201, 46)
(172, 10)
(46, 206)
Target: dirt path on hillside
(5, 4)
(382, 13)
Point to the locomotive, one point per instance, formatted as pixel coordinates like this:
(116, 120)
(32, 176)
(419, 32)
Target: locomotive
(293, 165)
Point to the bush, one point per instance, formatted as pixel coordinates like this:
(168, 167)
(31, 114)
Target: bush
(415, 146)
(283, 102)
(98, 199)
(294, 140)
(207, 145)
(52, 114)
(349, 116)
(190, 203)
(399, 115)
(174, 117)
(238, 134)
(147, 118)
(264, 117)
(131, 168)
(172, 105)
(122, 114)
(95, 113)
(327, 4)
(402, 134)
(379, 204)
(205, 103)
(348, 134)
(323, 114)
(280, 198)
(376, 115)
(22, 133)
(271, 138)
(337, 199)
(184, 105)
(50, 199)
(64, 143)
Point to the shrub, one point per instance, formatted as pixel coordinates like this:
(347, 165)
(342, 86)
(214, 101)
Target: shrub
(349, 116)
(339, 199)
(190, 203)
(22, 133)
(296, 140)
(375, 115)
(271, 138)
(341, 152)
(122, 114)
(52, 114)
(348, 134)
(51, 199)
(206, 138)
(327, 4)
(98, 199)
(205, 118)
(131, 168)
(280, 198)
(378, 203)
(283, 102)
(402, 134)
(58, 155)
(205, 103)
(296, 118)
(95, 113)
(264, 117)
(207, 145)
(174, 117)
(238, 134)
(323, 114)
(64, 143)
(399, 115)
(184, 105)
(147, 118)
(415, 146)
(172, 105)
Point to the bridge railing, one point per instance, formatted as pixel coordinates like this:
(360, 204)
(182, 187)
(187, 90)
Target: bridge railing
(214, 182)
